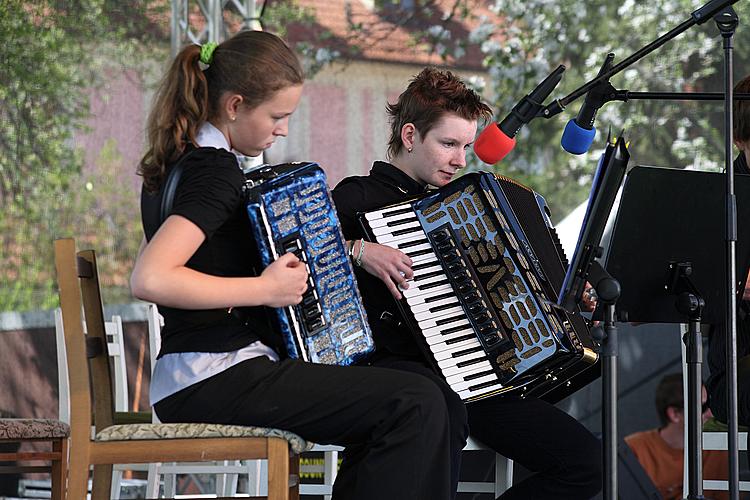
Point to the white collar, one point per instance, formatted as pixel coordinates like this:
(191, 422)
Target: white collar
(211, 137)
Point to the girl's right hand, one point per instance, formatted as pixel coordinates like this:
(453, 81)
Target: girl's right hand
(284, 281)
(392, 266)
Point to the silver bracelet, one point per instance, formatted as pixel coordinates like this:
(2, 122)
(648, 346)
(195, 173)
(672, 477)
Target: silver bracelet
(361, 253)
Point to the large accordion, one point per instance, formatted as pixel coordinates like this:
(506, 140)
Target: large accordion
(290, 210)
(487, 269)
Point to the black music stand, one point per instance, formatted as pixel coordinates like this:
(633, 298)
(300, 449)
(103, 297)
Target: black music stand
(583, 267)
(667, 252)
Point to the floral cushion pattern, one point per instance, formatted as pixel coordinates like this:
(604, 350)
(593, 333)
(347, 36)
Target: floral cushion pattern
(32, 428)
(144, 432)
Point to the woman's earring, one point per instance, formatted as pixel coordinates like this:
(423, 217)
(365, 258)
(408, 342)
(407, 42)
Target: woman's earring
(408, 150)
(233, 118)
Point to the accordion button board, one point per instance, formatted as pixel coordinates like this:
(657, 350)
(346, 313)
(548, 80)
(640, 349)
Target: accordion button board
(290, 210)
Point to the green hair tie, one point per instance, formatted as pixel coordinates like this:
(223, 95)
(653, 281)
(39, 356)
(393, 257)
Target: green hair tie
(207, 52)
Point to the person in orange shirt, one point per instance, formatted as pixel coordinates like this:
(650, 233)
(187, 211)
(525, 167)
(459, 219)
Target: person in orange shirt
(660, 451)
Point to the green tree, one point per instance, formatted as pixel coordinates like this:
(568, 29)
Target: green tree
(524, 40)
(53, 54)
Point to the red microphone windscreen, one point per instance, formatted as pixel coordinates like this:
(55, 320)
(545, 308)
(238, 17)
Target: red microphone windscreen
(493, 144)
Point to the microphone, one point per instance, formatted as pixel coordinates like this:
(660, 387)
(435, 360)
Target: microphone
(579, 133)
(498, 139)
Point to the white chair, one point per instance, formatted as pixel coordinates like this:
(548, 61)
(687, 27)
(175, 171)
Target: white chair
(116, 351)
(503, 473)
(712, 440)
(226, 471)
(503, 479)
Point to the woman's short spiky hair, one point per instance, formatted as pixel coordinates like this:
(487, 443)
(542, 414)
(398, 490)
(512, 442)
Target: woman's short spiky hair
(742, 112)
(429, 96)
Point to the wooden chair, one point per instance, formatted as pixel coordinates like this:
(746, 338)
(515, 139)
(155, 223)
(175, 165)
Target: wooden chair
(16, 431)
(91, 397)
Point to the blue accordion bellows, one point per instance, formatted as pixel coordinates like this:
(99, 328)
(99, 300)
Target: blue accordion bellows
(290, 210)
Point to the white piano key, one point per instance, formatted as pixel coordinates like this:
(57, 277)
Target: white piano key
(448, 334)
(446, 363)
(419, 308)
(427, 270)
(408, 228)
(414, 300)
(415, 290)
(437, 314)
(454, 370)
(378, 214)
(442, 350)
(383, 221)
(439, 329)
(432, 322)
(461, 377)
(461, 386)
(465, 395)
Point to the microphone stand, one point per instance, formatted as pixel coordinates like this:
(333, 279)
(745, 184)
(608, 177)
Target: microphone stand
(727, 21)
(699, 16)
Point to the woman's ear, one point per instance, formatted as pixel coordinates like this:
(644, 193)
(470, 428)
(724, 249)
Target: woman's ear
(408, 135)
(232, 106)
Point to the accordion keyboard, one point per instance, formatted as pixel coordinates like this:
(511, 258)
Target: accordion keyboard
(479, 297)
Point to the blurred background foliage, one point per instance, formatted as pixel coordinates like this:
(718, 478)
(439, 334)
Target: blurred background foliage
(56, 52)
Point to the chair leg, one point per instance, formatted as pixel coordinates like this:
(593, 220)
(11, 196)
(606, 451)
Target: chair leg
(101, 482)
(278, 469)
(78, 474)
(116, 484)
(294, 474)
(60, 469)
(330, 470)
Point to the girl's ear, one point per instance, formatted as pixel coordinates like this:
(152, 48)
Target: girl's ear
(232, 106)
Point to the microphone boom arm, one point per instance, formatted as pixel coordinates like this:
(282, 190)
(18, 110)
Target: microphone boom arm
(697, 17)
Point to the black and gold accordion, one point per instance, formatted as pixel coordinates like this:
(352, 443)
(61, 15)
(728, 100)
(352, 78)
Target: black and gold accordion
(487, 269)
(290, 210)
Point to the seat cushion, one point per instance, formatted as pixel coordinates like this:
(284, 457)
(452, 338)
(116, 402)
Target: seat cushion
(144, 432)
(715, 425)
(32, 428)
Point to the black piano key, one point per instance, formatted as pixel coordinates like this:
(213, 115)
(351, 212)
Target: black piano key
(441, 296)
(393, 213)
(451, 319)
(469, 362)
(427, 286)
(443, 307)
(473, 376)
(423, 265)
(407, 230)
(418, 252)
(400, 222)
(464, 352)
(461, 339)
(411, 243)
(432, 274)
(453, 329)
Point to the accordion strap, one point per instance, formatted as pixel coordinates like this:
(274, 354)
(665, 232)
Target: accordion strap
(170, 188)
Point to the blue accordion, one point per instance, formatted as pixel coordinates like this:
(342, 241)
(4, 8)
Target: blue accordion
(290, 210)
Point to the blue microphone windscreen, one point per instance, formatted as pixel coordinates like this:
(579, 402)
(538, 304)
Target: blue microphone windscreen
(576, 139)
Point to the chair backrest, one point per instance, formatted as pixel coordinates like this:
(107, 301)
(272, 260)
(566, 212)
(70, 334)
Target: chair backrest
(116, 351)
(86, 351)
